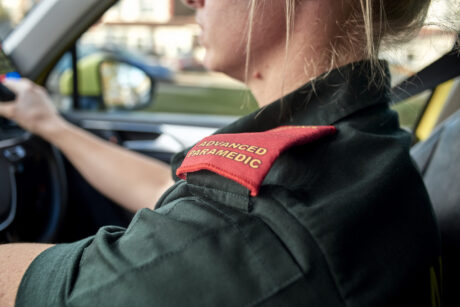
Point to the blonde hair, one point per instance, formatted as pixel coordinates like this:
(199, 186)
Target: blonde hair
(373, 23)
(390, 22)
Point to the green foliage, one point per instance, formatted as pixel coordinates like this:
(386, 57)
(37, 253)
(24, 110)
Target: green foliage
(200, 100)
(410, 109)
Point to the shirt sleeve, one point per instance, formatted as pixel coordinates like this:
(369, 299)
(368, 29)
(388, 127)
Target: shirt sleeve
(185, 253)
(49, 277)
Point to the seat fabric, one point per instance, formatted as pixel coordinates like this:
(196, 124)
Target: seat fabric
(439, 161)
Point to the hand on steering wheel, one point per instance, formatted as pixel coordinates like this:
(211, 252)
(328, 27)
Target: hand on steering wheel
(22, 158)
(32, 109)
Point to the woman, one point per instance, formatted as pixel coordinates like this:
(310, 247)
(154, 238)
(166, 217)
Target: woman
(311, 201)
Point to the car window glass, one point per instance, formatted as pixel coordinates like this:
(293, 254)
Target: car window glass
(411, 109)
(160, 37)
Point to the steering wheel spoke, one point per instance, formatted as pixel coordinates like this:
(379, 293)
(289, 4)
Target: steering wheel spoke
(8, 197)
(33, 188)
(6, 143)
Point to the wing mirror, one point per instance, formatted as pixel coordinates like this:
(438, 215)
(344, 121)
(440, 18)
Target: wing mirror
(125, 86)
(105, 82)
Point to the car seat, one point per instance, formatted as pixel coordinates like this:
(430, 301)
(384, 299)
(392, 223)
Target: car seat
(438, 159)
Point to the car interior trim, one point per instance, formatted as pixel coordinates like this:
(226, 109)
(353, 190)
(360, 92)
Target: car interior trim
(12, 214)
(434, 109)
(34, 44)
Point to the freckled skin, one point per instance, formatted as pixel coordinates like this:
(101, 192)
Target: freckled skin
(225, 28)
(274, 69)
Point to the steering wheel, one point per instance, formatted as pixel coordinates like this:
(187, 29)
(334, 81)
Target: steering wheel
(33, 186)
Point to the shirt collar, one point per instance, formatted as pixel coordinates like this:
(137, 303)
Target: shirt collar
(324, 101)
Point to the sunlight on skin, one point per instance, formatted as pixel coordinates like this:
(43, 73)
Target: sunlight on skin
(16, 258)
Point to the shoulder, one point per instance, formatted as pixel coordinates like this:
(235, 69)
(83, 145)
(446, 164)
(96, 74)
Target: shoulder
(246, 158)
(193, 251)
(359, 199)
(363, 146)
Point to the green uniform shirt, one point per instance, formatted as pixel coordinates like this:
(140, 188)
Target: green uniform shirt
(342, 221)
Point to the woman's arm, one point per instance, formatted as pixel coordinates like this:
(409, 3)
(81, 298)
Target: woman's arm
(128, 178)
(14, 261)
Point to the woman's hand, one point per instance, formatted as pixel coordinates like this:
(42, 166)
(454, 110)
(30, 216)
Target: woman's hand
(32, 109)
(130, 179)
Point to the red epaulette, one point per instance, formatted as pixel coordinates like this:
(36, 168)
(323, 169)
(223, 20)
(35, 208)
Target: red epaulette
(247, 157)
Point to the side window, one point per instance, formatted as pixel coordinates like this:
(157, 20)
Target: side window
(411, 109)
(5, 22)
(426, 48)
(146, 55)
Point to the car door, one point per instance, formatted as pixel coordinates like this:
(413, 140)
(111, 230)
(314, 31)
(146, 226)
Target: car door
(52, 28)
(49, 37)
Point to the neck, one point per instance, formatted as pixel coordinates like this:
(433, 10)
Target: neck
(309, 55)
(270, 82)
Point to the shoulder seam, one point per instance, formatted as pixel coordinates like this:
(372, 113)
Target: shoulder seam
(155, 261)
(275, 291)
(339, 291)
